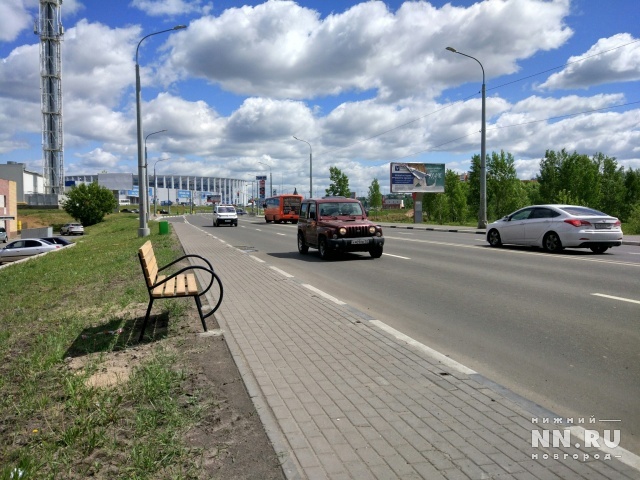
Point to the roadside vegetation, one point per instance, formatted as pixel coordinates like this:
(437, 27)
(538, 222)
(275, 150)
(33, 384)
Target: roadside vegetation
(571, 178)
(63, 315)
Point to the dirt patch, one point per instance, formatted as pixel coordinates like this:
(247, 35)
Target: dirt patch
(229, 434)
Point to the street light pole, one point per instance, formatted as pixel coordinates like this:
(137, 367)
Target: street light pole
(310, 166)
(155, 186)
(143, 231)
(482, 213)
(270, 179)
(146, 172)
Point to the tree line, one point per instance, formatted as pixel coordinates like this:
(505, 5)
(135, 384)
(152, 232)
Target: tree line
(569, 178)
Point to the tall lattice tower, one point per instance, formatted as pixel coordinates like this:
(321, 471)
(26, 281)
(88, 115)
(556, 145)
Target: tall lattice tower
(50, 30)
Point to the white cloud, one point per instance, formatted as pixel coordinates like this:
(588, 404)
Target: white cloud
(603, 63)
(280, 49)
(14, 18)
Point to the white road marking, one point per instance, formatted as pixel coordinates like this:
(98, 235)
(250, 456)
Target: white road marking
(281, 272)
(522, 252)
(283, 234)
(323, 294)
(423, 348)
(257, 259)
(616, 298)
(396, 256)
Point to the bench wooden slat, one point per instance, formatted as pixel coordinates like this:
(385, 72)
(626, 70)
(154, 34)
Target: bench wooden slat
(181, 285)
(192, 285)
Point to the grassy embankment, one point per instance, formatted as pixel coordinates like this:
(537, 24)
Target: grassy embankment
(63, 314)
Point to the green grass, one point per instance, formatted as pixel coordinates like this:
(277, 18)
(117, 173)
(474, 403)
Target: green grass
(84, 303)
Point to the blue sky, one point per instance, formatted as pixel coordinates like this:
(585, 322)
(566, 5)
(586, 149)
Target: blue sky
(365, 83)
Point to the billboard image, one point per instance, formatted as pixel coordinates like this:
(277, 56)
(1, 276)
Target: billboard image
(417, 177)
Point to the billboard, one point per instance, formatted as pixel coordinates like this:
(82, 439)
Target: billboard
(262, 180)
(417, 177)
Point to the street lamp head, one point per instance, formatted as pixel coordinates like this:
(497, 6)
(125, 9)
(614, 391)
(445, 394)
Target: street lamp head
(451, 49)
(179, 27)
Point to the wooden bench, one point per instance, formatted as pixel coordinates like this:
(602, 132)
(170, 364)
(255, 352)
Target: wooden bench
(182, 283)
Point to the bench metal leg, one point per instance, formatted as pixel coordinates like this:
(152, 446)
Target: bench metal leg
(146, 319)
(202, 317)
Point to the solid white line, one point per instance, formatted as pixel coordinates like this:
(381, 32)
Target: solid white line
(257, 259)
(502, 250)
(423, 348)
(616, 298)
(281, 272)
(396, 256)
(323, 294)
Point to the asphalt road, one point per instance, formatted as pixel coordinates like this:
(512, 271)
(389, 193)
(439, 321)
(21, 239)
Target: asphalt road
(560, 330)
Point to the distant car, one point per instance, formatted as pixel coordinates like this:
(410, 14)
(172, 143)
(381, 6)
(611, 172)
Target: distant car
(240, 211)
(72, 229)
(57, 241)
(19, 249)
(164, 212)
(225, 215)
(3, 235)
(554, 227)
(125, 210)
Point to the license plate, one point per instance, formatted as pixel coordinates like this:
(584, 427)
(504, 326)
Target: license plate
(603, 226)
(360, 241)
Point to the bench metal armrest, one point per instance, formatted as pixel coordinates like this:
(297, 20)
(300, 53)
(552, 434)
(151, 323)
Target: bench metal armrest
(186, 269)
(188, 256)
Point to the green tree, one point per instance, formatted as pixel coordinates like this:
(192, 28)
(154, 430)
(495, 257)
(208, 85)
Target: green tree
(89, 203)
(473, 189)
(375, 195)
(339, 183)
(612, 187)
(504, 190)
(455, 190)
(549, 177)
(632, 192)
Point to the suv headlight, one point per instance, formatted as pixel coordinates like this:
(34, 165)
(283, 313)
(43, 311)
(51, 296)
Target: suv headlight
(342, 231)
(372, 230)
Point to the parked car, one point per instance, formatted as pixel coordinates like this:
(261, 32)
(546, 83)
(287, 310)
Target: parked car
(4, 237)
(240, 211)
(19, 249)
(72, 229)
(554, 227)
(225, 215)
(337, 224)
(57, 241)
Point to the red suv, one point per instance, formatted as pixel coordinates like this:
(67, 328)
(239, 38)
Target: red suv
(335, 225)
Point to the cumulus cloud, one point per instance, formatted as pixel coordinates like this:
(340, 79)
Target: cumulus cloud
(14, 18)
(279, 49)
(604, 62)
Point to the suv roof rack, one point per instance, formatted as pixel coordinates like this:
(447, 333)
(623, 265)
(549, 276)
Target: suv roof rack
(334, 196)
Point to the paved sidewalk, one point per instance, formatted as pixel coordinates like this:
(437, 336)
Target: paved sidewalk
(343, 396)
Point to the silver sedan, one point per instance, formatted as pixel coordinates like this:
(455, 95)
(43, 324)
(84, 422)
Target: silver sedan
(554, 227)
(20, 249)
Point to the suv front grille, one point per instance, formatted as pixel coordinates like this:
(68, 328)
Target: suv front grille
(358, 231)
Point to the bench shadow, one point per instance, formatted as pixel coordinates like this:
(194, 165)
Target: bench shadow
(118, 334)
